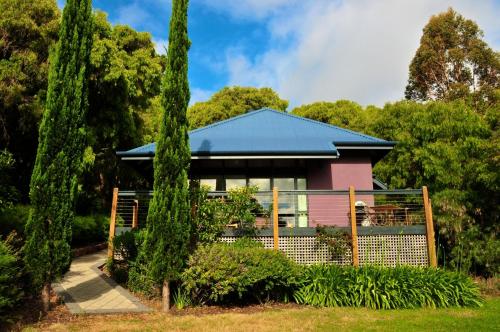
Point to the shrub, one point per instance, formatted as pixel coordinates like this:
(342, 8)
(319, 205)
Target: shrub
(90, 229)
(386, 288)
(13, 219)
(242, 271)
(86, 229)
(126, 248)
(126, 245)
(8, 192)
(10, 290)
(181, 298)
(212, 215)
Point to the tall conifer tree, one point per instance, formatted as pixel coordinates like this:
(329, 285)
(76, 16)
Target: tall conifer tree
(165, 249)
(61, 138)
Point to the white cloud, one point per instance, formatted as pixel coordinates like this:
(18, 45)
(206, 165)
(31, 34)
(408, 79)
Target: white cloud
(132, 14)
(161, 46)
(357, 49)
(199, 95)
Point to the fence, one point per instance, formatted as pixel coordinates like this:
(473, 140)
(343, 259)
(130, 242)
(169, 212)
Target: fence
(388, 227)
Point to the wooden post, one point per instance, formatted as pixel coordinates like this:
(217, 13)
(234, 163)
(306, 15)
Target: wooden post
(354, 229)
(112, 222)
(275, 218)
(429, 223)
(135, 214)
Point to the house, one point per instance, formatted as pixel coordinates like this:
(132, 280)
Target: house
(268, 148)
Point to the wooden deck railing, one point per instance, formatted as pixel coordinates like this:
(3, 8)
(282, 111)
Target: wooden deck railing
(357, 210)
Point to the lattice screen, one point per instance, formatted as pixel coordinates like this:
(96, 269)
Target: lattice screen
(391, 250)
(302, 249)
(387, 250)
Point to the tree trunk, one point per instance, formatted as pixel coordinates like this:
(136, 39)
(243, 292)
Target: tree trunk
(166, 296)
(46, 297)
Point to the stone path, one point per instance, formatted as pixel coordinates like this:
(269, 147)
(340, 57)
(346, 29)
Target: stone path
(87, 290)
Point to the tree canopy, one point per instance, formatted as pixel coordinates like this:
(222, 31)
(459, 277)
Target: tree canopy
(453, 61)
(124, 92)
(342, 113)
(233, 101)
(125, 79)
(8, 192)
(27, 29)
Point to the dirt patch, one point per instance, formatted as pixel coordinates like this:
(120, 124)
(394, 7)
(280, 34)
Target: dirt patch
(248, 309)
(30, 312)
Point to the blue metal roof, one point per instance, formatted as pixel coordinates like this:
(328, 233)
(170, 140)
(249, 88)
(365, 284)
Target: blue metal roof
(268, 132)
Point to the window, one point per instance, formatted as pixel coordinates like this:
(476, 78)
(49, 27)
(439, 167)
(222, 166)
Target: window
(284, 183)
(235, 183)
(262, 183)
(211, 183)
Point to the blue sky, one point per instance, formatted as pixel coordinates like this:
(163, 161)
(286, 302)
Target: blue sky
(307, 50)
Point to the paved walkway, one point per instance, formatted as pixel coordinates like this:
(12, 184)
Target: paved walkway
(87, 290)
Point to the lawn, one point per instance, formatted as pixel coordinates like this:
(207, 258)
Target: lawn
(297, 318)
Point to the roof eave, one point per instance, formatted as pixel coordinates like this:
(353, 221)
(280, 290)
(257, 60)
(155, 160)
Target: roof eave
(365, 145)
(124, 155)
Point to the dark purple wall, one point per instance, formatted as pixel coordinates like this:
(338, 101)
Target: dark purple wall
(337, 174)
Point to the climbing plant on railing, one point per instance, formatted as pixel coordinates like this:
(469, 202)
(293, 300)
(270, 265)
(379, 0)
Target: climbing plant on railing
(337, 241)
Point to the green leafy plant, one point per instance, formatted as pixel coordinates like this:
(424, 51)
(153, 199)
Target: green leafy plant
(10, 272)
(338, 241)
(209, 216)
(181, 298)
(239, 272)
(386, 288)
(212, 215)
(8, 193)
(14, 219)
(89, 230)
(125, 251)
(242, 208)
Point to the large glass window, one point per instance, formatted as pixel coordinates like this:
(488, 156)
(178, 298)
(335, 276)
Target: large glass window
(211, 183)
(235, 183)
(292, 207)
(284, 183)
(301, 184)
(262, 183)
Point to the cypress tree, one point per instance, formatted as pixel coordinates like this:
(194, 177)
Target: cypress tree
(164, 252)
(61, 139)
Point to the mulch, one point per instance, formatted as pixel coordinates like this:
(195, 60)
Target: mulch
(30, 313)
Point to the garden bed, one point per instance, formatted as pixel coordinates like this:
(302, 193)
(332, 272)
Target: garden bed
(284, 318)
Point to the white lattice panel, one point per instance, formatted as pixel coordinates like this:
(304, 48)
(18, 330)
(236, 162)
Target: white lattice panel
(387, 250)
(302, 249)
(392, 250)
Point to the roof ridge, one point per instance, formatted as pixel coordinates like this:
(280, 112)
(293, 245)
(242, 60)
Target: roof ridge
(143, 146)
(215, 124)
(332, 126)
(252, 112)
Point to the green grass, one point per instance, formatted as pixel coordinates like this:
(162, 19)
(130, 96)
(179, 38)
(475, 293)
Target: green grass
(486, 318)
